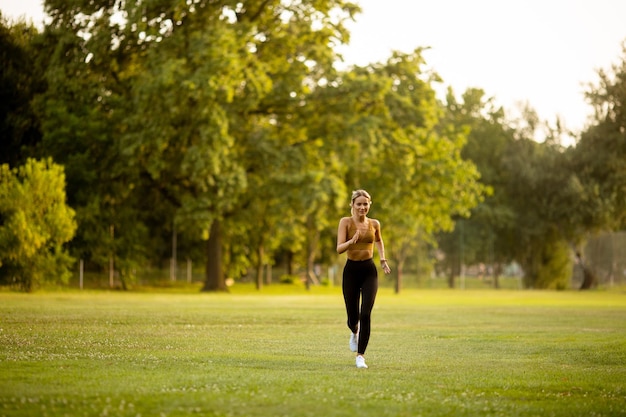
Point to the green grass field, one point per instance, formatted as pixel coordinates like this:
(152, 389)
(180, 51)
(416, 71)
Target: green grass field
(285, 353)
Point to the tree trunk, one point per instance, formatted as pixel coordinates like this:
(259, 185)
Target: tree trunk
(455, 270)
(290, 263)
(268, 274)
(313, 239)
(496, 268)
(451, 279)
(214, 276)
(311, 278)
(399, 273)
(259, 268)
(589, 278)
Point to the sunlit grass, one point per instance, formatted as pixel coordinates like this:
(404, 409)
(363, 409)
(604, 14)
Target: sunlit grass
(283, 352)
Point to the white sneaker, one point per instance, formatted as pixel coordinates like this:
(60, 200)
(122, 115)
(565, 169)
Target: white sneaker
(354, 342)
(360, 362)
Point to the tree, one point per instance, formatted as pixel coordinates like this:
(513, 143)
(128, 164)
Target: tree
(35, 223)
(599, 165)
(168, 100)
(21, 77)
(561, 196)
(288, 60)
(543, 195)
(423, 176)
(599, 158)
(384, 126)
(186, 151)
(82, 117)
(483, 237)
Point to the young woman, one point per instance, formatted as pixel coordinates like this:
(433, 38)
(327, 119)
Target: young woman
(357, 236)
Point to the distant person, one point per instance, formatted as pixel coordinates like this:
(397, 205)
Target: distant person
(357, 236)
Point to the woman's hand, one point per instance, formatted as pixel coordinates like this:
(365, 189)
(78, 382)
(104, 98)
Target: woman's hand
(385, 265)
(355, 238)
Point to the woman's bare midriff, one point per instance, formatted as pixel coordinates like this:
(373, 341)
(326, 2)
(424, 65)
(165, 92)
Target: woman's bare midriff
(360, 254)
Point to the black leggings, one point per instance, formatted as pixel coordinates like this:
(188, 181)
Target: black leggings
(360, 279)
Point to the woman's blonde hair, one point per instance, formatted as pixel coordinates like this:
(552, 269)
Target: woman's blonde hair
(360, 193)
(356, 194)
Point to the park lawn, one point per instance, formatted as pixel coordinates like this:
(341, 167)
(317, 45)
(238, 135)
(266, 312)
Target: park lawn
(285, 353)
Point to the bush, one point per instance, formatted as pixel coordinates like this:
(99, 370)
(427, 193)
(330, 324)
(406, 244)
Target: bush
(35, 222)
(555, 268)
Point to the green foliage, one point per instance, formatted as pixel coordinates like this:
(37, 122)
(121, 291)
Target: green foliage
(290, 279)
(188, 105)
(186, 117)
(554, 266)
(599, 159)
(382, 124)
(483, 237)
(21, 77)
(539, 209)
(35, 222)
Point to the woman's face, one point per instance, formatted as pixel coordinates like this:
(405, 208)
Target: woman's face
(361, 205)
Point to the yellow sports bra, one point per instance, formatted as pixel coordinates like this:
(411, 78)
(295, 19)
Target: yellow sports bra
(366, 241)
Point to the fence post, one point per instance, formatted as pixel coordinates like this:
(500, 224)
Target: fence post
(173, 261)
(111, 264)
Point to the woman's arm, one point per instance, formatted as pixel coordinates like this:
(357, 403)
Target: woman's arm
(342, 236)
(380, 246)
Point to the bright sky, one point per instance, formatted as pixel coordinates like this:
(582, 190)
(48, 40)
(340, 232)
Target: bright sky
(542, 52)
